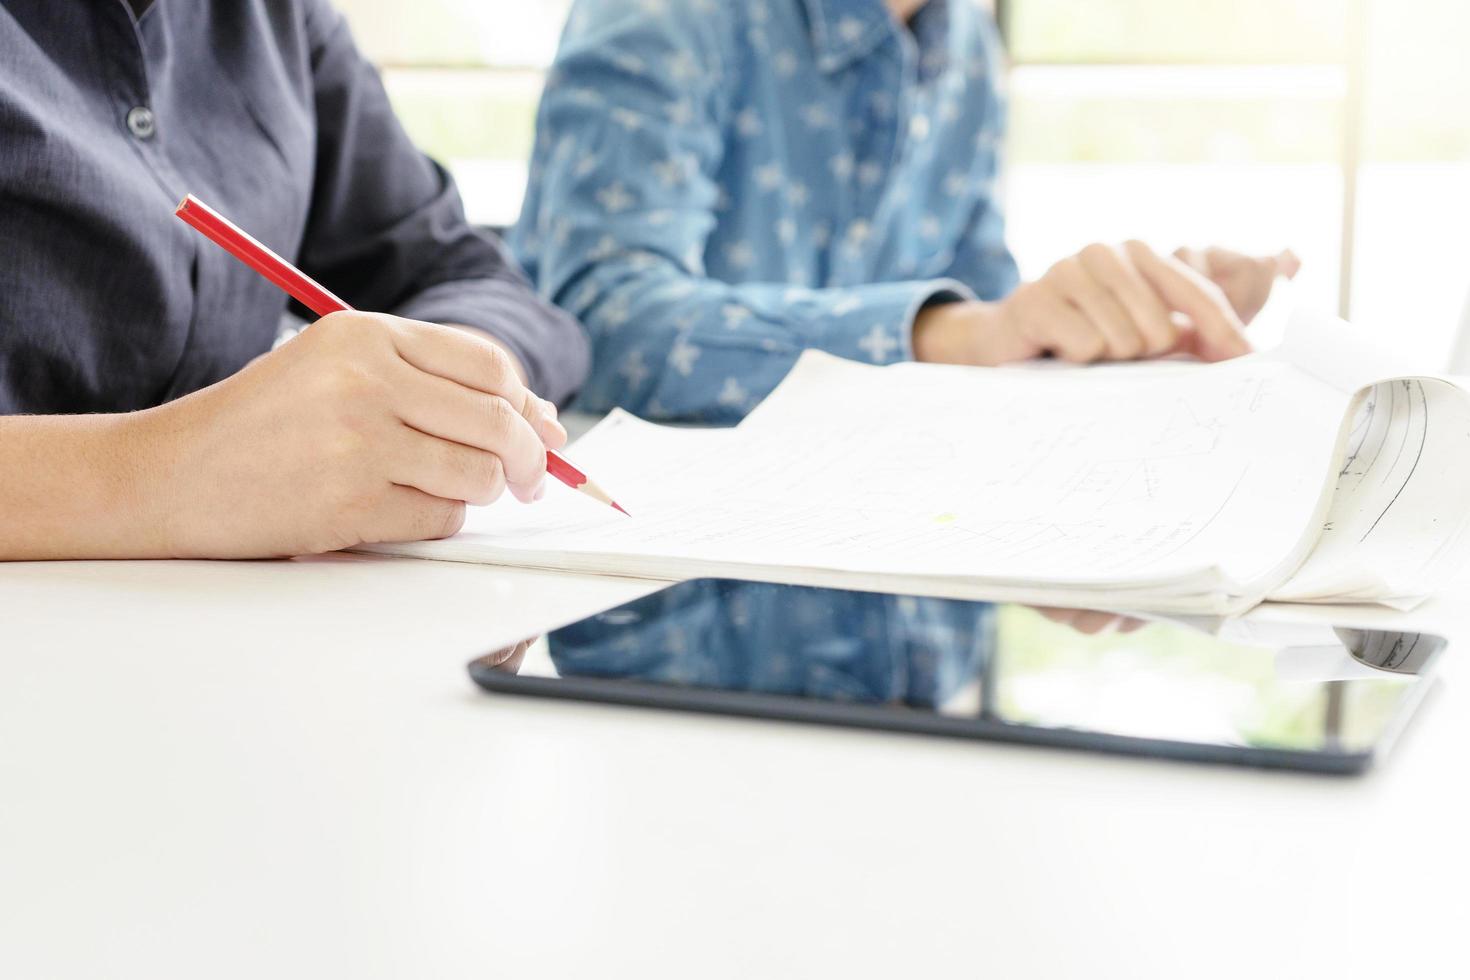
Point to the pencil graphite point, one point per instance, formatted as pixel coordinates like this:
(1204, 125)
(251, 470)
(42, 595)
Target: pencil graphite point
(620, 510)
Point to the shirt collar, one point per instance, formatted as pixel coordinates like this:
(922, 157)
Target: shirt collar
(843, 31)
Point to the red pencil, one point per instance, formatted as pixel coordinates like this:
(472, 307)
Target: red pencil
(309, 293)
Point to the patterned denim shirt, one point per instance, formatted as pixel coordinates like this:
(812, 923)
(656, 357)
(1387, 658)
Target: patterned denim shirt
(718, 186)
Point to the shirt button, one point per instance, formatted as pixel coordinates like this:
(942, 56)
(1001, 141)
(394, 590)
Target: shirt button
(919, 127)
(140, 122)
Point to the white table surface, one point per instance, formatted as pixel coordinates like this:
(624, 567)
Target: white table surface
(281, 769)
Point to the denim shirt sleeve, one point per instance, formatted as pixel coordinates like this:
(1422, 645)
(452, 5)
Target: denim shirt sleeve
(622, 207)
(982, 260)
(387, 230)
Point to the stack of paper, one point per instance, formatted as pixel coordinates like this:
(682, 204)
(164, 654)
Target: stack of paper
(1303, 475)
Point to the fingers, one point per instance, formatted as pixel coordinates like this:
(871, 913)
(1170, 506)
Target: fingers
(1121, 336)
(409, 514)
(475, 363)
(475, 421)
(1217, 263)
(553, 435)
(458, 472)
(1090, 622)
(1220, 331)
(1057, 614)
(1193, 258)
(541, 414)
(1119, 304)
(1054, 324)
(1109, 265)
(447, 412)
(1246, 280)
(510, 659)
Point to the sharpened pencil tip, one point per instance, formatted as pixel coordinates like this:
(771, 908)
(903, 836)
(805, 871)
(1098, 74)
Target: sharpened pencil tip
(619, 508)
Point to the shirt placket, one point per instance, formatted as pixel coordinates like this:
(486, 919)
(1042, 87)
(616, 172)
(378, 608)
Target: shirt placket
(132, 102)
(898, 123)
(874, 151)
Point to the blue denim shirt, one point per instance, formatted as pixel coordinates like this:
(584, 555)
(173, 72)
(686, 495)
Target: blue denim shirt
(717, 187)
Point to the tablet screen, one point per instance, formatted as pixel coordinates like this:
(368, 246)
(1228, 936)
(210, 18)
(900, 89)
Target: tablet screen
(1274, 694)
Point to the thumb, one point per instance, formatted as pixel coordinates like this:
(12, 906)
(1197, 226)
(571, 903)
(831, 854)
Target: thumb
(542, 416)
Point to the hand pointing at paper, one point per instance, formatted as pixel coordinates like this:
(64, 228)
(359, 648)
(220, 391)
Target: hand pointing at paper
(1110, 303)
(1246, 280)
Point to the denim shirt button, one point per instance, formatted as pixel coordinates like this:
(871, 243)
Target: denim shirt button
(140, 122)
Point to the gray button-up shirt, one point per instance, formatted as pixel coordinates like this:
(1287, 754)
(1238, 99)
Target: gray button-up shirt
(264, 109)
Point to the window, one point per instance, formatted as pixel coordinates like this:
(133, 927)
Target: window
(1337, 127)
(465, 75)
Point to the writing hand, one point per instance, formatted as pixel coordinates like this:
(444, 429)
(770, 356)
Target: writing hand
(364, 428)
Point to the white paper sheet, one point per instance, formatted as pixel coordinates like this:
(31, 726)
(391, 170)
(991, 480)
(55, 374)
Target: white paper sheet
(1210, 477)
(1347, 357)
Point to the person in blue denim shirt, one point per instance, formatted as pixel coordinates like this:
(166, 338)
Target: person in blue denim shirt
(717, 187)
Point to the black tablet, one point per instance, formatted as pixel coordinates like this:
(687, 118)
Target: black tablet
(1281, 695)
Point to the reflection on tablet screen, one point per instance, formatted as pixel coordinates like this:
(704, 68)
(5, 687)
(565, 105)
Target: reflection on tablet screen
(1252, 692)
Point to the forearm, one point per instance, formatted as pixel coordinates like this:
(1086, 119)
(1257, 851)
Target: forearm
(671, 345)
(70, 487)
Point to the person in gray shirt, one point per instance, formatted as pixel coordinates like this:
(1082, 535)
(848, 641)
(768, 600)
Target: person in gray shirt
(143, 412)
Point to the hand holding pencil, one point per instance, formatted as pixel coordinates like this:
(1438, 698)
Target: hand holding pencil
(493, 383)
(366, 428)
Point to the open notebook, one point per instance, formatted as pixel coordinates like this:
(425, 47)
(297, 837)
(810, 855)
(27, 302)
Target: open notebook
(1320, 472)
